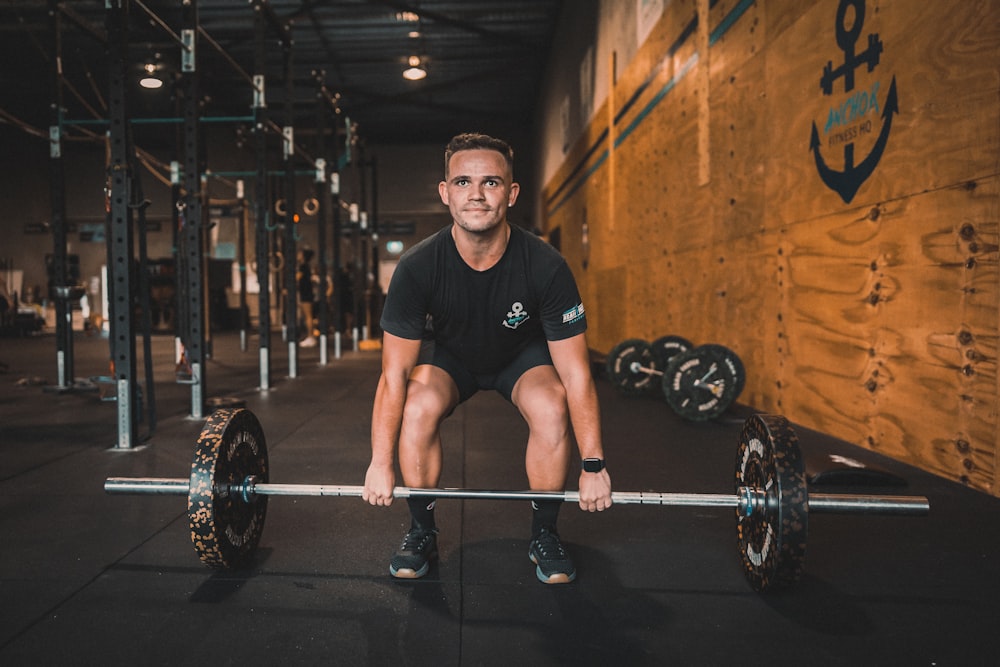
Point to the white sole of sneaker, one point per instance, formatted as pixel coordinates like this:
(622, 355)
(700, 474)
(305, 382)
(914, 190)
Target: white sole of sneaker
(409, 573)
(558, 578)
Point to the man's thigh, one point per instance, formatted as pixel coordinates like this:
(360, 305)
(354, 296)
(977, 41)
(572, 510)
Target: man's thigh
(539, 393)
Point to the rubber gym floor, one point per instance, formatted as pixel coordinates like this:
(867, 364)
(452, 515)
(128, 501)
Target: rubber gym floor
(88, 578)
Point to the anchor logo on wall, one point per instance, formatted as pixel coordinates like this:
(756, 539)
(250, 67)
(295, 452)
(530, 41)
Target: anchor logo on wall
(847, 121)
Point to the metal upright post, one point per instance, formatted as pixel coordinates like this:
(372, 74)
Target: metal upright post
(338, 281)
(322, 213)
(146, 404)
(376, 289)
(59, 288)
(261, 207)
(363, 246)
(179, 221)
(288, 246)
(120, 234)
(241, 258)
(192, 237)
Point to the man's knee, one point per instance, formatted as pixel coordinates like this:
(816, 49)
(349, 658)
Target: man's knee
(423, 409)
(541, 398)
(430, 397)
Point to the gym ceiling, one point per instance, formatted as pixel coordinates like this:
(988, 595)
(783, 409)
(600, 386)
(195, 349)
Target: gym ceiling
(484, 61)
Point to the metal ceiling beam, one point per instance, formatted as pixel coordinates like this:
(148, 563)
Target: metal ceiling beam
(81, 22)
(444, 19)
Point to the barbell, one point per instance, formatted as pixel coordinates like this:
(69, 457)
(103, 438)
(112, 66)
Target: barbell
(229, 486)
(699, 383)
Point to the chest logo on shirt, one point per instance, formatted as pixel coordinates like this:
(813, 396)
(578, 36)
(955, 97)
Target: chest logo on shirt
(516, 316)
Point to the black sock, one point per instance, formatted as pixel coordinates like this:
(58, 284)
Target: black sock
(544, 514)
(422, 513)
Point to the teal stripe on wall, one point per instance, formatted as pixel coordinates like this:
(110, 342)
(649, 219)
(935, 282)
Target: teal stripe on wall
(579, 175)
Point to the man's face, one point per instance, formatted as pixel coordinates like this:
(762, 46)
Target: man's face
(478, 189)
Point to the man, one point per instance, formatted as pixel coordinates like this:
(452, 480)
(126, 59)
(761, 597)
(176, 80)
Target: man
(484, 305)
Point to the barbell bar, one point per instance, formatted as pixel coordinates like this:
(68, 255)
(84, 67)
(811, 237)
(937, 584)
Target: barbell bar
(746, 500)
(229, 487)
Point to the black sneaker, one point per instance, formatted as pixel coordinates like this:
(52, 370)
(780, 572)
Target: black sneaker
(554, 566)
(413, 558)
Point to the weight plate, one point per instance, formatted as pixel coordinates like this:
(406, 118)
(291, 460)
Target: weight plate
(734, 362)
(772, 539)
(666, 348)
(624, 362)
(702, 383)
(225, 527)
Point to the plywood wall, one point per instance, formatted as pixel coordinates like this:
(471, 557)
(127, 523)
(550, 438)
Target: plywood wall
(695, 204)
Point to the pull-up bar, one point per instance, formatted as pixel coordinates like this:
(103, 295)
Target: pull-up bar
(163, 24)
(295, 148)
(236, 66)
(166, 120)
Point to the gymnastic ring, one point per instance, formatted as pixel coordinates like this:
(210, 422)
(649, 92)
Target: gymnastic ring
(279, 207)
(278, 261)
(310, 206)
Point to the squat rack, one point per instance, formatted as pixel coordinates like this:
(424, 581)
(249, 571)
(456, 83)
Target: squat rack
(191, 206)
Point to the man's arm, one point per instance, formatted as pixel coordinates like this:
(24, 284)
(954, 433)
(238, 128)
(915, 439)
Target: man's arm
(399, 357)
(571, 359)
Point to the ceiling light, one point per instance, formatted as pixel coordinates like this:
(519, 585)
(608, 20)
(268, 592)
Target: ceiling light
(414, 34)
(409, 17)
(149, 79)
(415, 71)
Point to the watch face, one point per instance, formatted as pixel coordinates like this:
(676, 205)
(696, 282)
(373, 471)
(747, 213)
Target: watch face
(593, 465)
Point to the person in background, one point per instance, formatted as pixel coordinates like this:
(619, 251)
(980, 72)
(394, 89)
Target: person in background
(307, 296)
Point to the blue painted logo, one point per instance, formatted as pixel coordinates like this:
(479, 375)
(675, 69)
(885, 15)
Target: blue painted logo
(852, 117)
(516, 316)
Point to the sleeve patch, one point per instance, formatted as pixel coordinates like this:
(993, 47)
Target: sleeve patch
(574, 314)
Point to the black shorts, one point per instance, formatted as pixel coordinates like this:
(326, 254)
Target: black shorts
(534, 354)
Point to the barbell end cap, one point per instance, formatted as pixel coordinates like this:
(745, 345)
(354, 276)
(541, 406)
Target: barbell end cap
(248, 491)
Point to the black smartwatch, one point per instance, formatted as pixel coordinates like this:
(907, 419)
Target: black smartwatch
(593, 465)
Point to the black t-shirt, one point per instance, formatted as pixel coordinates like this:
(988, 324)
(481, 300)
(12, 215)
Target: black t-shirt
(484, 318)
(305, 284)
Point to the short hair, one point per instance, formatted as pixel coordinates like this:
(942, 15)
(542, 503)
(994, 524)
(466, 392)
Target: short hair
(469, 141)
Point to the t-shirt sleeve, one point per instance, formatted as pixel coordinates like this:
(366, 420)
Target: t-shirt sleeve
(562, 309)
(404, 313)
